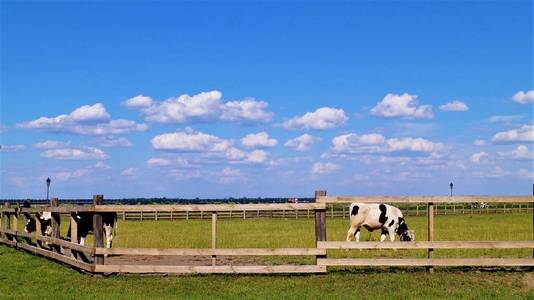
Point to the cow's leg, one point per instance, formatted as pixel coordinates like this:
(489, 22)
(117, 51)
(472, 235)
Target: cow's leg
(82, 240)
(353, 231)
(109, 235)
(383, 235)
(391, 232)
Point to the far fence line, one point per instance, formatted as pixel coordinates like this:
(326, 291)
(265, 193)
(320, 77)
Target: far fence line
(333, 211)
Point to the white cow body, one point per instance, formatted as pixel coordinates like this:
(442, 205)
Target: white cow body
(378, 216)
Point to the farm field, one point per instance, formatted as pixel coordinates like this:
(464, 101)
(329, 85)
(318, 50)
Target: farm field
(24, 275)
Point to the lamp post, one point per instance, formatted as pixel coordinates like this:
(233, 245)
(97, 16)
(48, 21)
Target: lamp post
(47, 187)
(451, 185)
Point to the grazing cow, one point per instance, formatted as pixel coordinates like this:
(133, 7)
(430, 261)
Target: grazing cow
(375, 216)
(85, 225)
(44, 218)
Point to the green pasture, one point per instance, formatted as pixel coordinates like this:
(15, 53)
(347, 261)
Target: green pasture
(23, 275)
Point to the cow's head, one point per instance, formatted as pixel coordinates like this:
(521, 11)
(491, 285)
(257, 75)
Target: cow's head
(405, 235)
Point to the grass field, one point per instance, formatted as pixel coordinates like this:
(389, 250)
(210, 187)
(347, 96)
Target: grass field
(26, 276)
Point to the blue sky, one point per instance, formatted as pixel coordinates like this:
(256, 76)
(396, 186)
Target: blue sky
(266, 99)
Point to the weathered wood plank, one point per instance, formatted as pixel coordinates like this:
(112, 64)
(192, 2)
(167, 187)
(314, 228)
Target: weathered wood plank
(210, 269)
(56, 256)
(428, 245)
(423, 199)
(424, 262)
(50, 240)
(209, 207)
(209, 252)
(98, 229)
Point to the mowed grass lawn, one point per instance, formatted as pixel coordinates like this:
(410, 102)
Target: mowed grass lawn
(24, 276)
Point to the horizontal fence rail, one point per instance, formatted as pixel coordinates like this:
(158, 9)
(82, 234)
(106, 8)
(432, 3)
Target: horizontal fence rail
(93, 258)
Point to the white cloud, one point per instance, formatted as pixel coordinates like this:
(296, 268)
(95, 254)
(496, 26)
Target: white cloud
(303, 142)
(256, 156)
(377, 143)
(207, 146)
(322, 118)
(478, 157)
(11, 148)
(260, 139)
(202, 107)
(158, 162)
(65, 175)
(130, 172)
(246, 111)
(404, 106)
(186, 141)
(138, 101)
(519, 153)
(110, 141)
(324, 168)
(80, 153)
(524, 133)
(454, 106)
(50, 144)
(479, 143)
(101, 165)
(85, 120)
(522, 97)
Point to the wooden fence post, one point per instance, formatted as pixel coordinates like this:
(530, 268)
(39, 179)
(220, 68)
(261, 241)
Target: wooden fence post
(213, 236)
(532, 219)
(320, 223)
(430, 213)
(7, 222)
(56, 222)
(98, 229)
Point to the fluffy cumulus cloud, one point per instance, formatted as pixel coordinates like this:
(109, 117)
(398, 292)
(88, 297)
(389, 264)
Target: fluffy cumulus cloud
(138, 101)
(377, 143)
(258, 140)
(520, 153)
(85, 120)
(522, 134)
(202, 107)
(189, 140)
(75, 153)
(322, 118)
(478, 157)
(303, 142)
(522, 97)
(324, 168)
(454, 106)
(206, 145)
(403, 106)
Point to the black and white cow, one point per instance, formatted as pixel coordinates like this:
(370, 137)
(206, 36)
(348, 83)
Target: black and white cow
(85, 225)
(44, 218)
(378, 216)
(84, 220)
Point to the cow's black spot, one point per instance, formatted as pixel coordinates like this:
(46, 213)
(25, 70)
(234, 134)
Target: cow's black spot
(402, 226)
(382, 218)
(391, 223)
(355, 209)
(368, 227)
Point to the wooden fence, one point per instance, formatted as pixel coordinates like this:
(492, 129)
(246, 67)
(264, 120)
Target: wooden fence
(93, 258)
